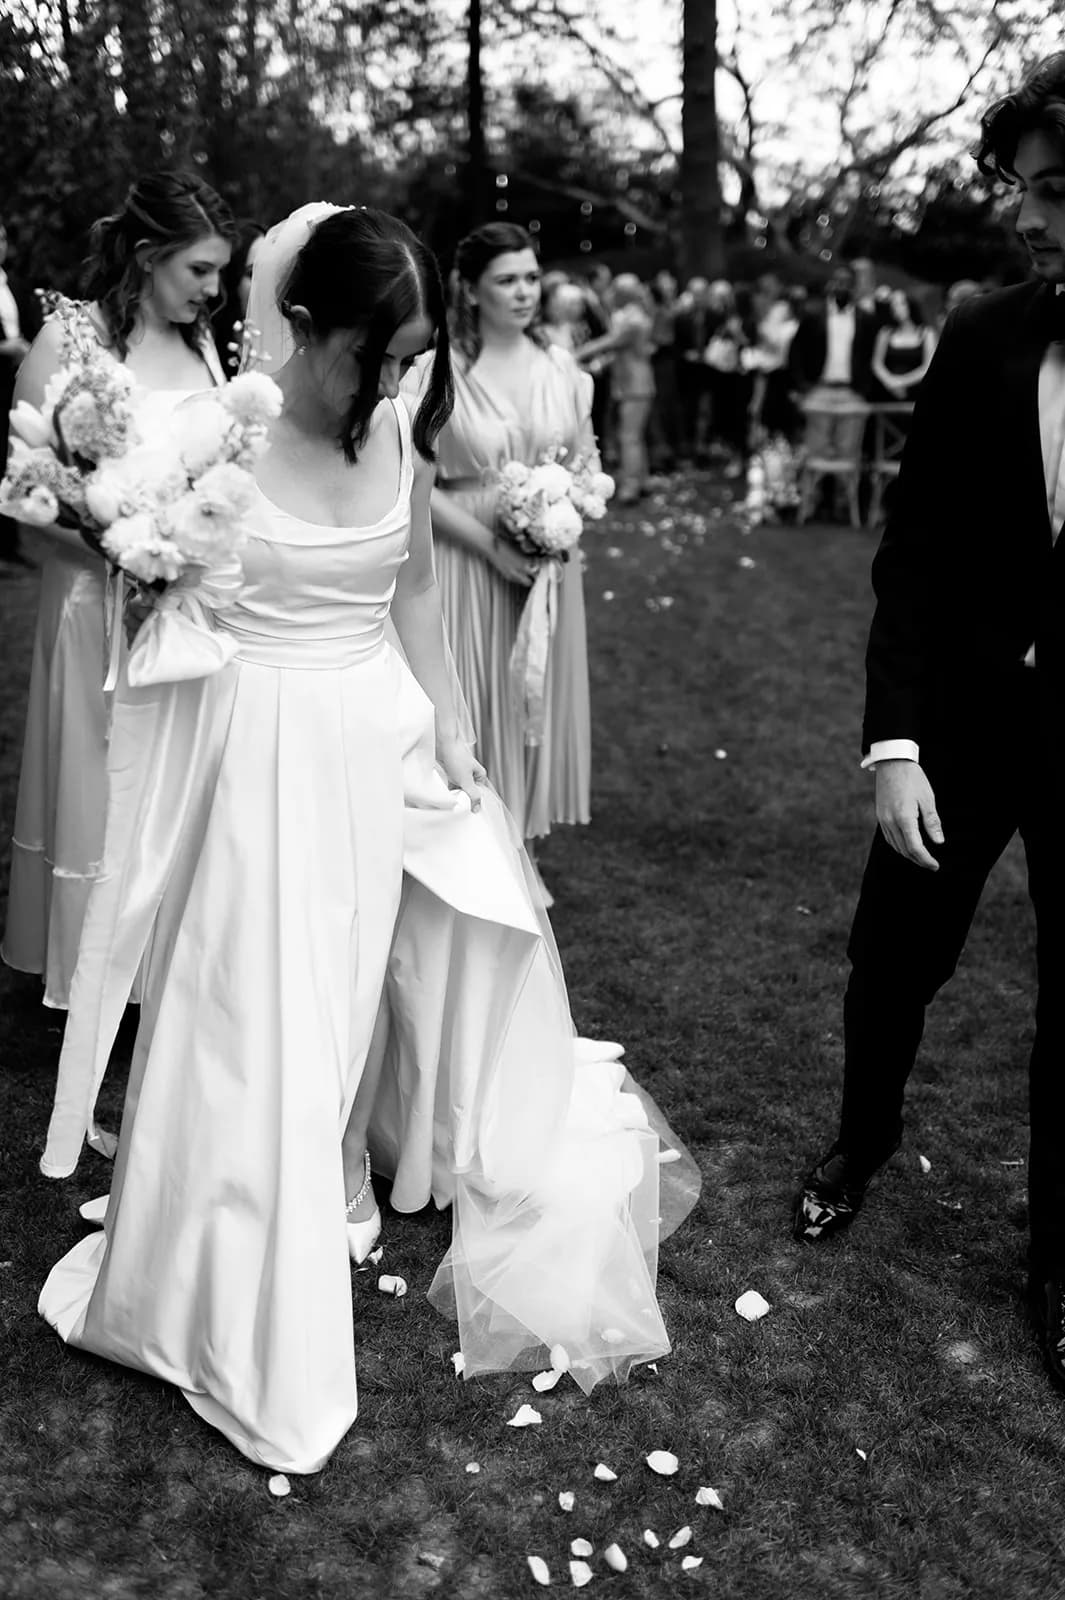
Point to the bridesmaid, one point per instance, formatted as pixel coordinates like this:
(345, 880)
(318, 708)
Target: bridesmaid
(515, 395)
(153, 269)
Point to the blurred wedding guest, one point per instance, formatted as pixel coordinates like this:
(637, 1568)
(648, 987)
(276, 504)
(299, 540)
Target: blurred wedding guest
(153, 269)
(630, 343)
(963, 289)
(20, 319)
(228, 322)
(831, 354)
(564, 314)
(776, 314)
(693, 324)
(598, 302)
(664, 428)
(516, 396)
(903, 350)
(727, 357)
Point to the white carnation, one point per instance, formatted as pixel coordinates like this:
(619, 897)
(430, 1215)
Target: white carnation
(602, 484)
(515, 474)
(253, 399)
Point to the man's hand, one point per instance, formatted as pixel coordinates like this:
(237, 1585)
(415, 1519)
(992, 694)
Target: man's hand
(905, 805)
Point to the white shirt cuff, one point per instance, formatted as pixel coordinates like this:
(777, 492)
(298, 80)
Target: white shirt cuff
(891, 750)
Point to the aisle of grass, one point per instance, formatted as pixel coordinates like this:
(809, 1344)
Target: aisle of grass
(884, 1431)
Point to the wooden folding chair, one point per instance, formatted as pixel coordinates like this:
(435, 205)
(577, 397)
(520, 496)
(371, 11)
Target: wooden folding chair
(832, 448)
(891, 424)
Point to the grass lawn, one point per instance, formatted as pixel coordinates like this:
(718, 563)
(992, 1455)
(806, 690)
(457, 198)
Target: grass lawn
(885, 1431)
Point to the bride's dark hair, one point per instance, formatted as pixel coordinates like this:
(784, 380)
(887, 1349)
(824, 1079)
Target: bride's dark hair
(474, 256)
(169, 211)
(364, 269)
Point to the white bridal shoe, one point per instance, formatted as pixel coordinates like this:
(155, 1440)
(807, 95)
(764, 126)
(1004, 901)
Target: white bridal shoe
(362, 1235)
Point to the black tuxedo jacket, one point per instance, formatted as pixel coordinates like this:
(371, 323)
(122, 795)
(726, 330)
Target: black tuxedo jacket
(967, 574)
(29, 312)
(809, 348)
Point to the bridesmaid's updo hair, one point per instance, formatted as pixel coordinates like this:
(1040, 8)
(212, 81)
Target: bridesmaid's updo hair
(473, 257)
(169, 211)
(365, 270)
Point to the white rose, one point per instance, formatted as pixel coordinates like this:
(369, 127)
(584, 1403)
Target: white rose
(551, 480)
(602, 484)
(104, 496)
(561, 525)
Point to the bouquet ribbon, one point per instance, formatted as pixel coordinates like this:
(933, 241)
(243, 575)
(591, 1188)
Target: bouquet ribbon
(532, 647)
(179, 640)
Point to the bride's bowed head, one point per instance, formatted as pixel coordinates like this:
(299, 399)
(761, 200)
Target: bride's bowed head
(353, 294)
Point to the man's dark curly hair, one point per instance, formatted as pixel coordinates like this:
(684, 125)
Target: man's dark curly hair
(1038, 106)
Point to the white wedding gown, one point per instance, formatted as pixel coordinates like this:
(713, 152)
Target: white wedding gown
(304, 889)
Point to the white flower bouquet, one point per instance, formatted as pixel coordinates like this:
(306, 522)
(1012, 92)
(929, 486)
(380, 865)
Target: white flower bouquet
(542, 509)
(154, 506)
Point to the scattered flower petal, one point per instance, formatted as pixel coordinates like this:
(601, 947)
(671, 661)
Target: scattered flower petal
(864, 1454)
(376, 1256)
(720, 755)
(580, 1573)
(708, 1497)
(560, 1358)
(615, 1558)
(567, 1499)
(544, 1381)
(395, 1286)
(473, 1466)
(682, 1537)
(604, 1474)
(650, 1539)
(279, 1485)
(747, 561)
(925, 1164)
(652, 1366)
(751, 1306)
(664, 1462)
(690, 1563)
(458, 1361)
(539, 1569)
(581, 1547)
(608, 594)
(1011, 1163)
(525, 1417)
(429, 1559)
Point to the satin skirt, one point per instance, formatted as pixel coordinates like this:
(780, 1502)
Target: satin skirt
(551, 782)
(60, 813)
(306, 895)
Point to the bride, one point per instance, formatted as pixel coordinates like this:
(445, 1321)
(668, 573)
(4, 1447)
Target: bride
(342, 958)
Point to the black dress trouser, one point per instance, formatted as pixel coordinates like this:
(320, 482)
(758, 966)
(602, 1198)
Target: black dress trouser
(910, 928)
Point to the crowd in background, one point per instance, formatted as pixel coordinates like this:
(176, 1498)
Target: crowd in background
(704, 373)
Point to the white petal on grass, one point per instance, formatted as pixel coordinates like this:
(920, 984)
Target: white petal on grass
(376, 1256)
(279, 1486)
(581, 1547)
(525, 1417)
(539, 1569)
(389, 1283)
(652, 1366)
(664, 1462)
(708, 1497)
(458, 1361)
(580, 1573)
(720, 755)
(567, 1500)
(924, 1164)
(615, 1558)
(747, 562)
(608, 594)
(544, 1381)
(860, 1452)
(682, 1537)
(666, 1156)
(559, 1358)
(751, 1306)
(473, 1466)
(689, 1563)
(429, 1558)
(650, 1539)
(604, 1474)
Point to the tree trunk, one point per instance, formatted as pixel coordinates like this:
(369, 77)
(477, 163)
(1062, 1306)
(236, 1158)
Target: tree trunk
(475, 154)
(139, 85)
(702, 236)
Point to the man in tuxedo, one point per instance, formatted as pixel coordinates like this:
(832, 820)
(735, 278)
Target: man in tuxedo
(965, 701)
(831, 353)
(19, 321)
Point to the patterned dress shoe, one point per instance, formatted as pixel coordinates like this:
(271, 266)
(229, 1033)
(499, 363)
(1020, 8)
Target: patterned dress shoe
(1046, 1297)
(831, 1195)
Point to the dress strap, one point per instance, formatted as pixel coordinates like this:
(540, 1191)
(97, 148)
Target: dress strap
(406, 445)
